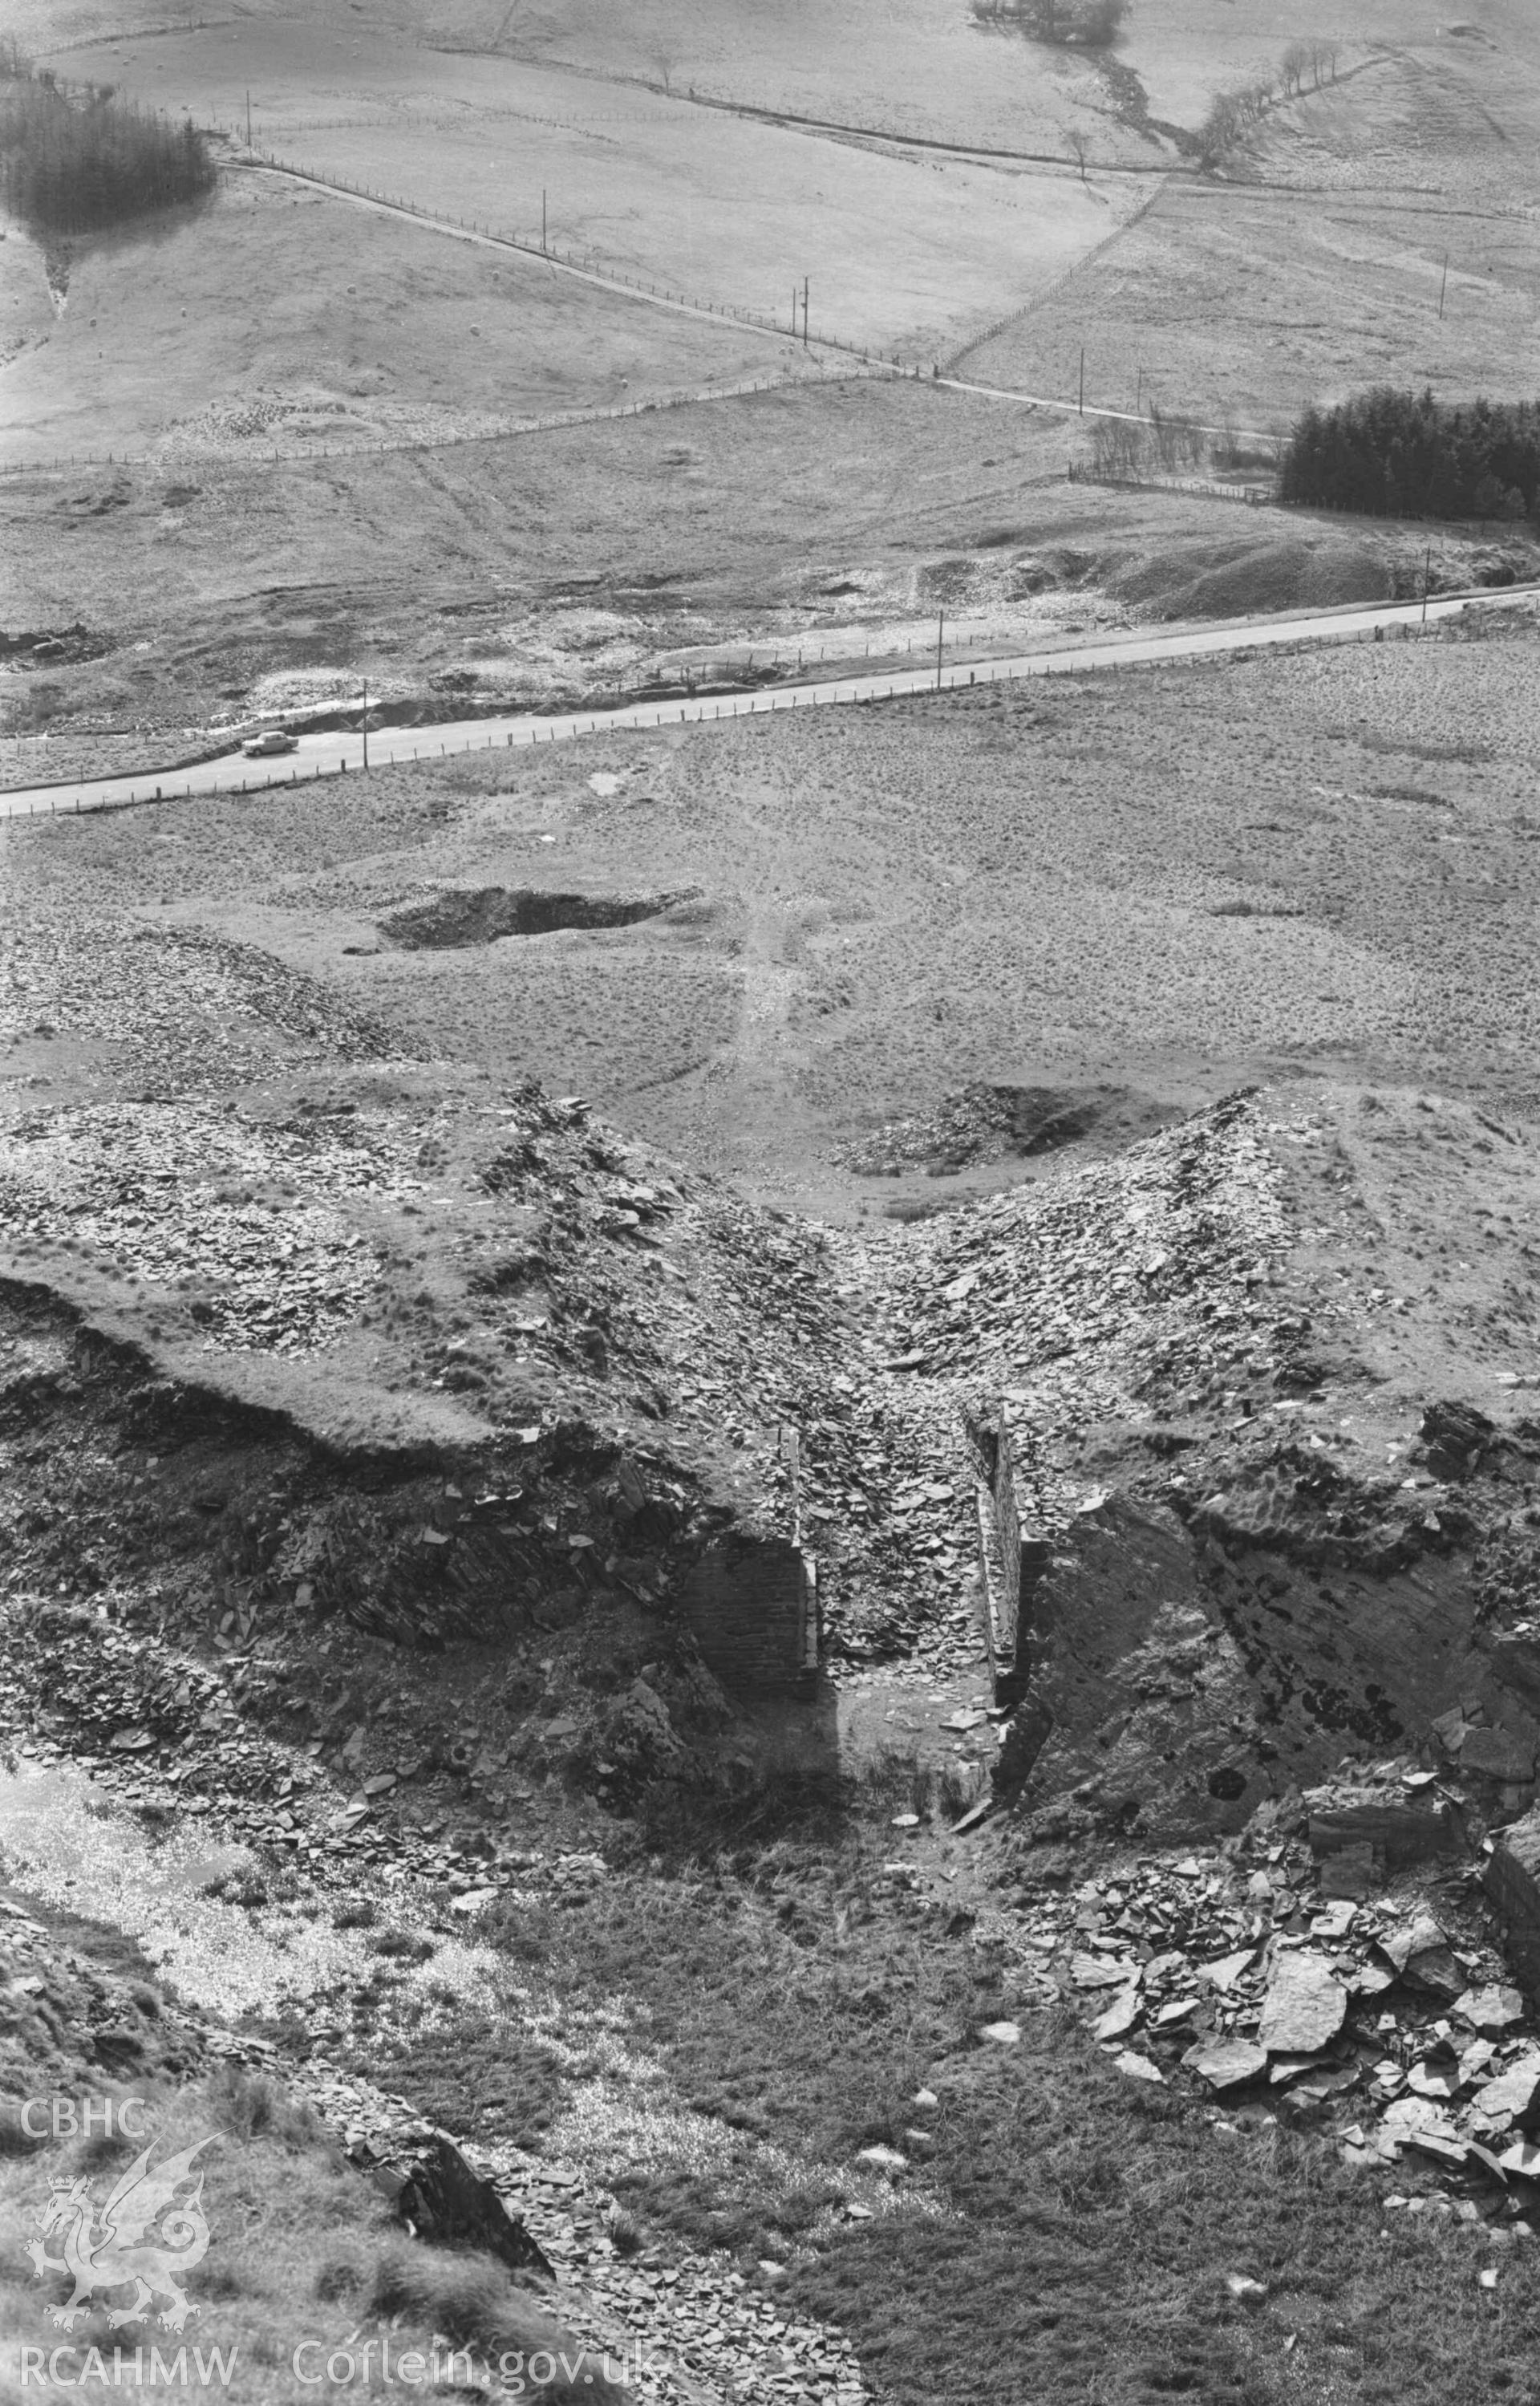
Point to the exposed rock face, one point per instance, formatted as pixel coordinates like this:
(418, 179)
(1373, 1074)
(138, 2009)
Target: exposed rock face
(1398, 1837)
(446, 2201)
(1512, 1881)
(1137, 1686)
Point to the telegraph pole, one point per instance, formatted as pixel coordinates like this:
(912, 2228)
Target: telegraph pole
(1427, 572)
(1444, 284)
(1083, 379)
(940, 624)
(804, 313)
(248, 121)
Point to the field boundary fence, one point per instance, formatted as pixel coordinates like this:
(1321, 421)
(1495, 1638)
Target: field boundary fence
(585, 264)
(569, 726)
(1254, 496)
(269, 456)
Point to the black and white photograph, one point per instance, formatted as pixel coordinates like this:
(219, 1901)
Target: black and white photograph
(769, 1202)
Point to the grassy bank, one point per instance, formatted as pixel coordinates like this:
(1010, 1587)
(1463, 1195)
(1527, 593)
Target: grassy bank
(1063, 2233)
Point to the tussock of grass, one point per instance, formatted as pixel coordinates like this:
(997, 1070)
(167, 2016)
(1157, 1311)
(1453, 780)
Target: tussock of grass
(476, 2305)
(471, 2075)
(301, 2250)
(403, 1945)
(250, 2107)
(468, 2298)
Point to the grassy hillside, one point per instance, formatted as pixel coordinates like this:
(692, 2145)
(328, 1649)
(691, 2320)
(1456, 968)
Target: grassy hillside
(279, 317)
(1319, 266)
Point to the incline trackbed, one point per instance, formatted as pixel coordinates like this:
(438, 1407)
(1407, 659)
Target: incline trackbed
(339, 752)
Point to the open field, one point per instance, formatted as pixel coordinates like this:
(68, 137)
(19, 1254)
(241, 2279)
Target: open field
(921, 69)
(1106, 883)
(902, 252)
(1254, 301)
(280, 317)
(855, 508)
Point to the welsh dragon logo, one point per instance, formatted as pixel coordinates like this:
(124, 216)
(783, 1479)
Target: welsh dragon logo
(125, 2248)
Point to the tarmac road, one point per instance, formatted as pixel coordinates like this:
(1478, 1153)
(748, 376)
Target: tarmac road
(339, 753)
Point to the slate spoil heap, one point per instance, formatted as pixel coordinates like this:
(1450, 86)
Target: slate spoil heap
(377, 1552)
(1392, 2019)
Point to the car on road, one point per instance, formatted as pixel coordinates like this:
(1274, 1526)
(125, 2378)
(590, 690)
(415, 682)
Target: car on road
(273, 739)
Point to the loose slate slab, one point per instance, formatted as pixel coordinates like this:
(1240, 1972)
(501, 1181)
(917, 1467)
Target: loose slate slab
(1511, 2094)
(1227, 1971)
(1226, 2063)
(1121, 2016)
(444, 2201)
(1100, 1972)
(1306, 2004)
(1436, 2079)
(1421, 1936)
(1497, 1754)
(1490, 2009)
(1412, 2118)
(1139, 2067)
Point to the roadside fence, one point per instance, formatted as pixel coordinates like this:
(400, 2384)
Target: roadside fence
(390, 752)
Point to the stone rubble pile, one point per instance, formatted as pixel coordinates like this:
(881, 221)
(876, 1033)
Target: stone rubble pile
(1155, 1262)
(1281, 1976)
(191, 1198)
(183, 1011)
(1072, 1301)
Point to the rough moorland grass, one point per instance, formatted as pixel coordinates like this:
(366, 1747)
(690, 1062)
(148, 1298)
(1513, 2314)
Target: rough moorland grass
(1088, 2224)
(470, 2075)
(302, 2250)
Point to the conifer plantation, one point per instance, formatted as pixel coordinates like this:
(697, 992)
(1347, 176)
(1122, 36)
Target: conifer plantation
(1399, 455)
(72, 160)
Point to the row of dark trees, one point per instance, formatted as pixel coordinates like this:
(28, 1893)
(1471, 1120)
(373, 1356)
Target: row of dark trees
(1403, 455)
(1233, 114)
(73, 159)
